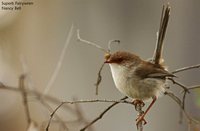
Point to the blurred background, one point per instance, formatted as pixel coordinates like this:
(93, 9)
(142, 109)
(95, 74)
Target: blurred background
(32, 39)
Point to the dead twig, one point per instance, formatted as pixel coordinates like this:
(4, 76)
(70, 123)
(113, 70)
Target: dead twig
(47, 106)
(102, 114)
(99, 78)
(24, 97)
(178, 101)
(179, 84)
(184, 98)
(83, 101)
(51, 116)
(186, 68)
(60, 61)
(90, 43)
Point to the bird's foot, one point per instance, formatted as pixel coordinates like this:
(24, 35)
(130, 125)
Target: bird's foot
(138, 102)
(140, 120)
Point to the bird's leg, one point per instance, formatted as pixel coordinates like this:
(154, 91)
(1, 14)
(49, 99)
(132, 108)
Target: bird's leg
(141, 117)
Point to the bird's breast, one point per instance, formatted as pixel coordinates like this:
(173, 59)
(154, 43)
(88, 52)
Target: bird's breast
(133, 86)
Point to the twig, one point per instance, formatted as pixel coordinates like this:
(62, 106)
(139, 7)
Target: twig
(194, 87)
(51, 116)
(45, 104)
(60, 61)
(138, 108)
(38, 95)
(186, 68)
(184, 98)
(99, 78)
(90, 43)
(79, 113)
(24, 96)
(101, 115)
(83, 101)
(178, 101)
(179, 84)
(111, 42)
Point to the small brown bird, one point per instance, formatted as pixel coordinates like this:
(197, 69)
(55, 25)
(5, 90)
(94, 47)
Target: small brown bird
(138, 79)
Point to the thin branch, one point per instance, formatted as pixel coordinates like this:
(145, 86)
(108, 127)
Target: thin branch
(83, 101)
(186, 68)
(35, 93)
(52, 114)
(112, 42)
(45, 104)
(24, 96)
(90, 43)
(138, 108)
(178, 101)
(102, 114)
(79, 113)
(179, 84)
(194, 87)
(184, 98)
(60, 61)
(99, 78)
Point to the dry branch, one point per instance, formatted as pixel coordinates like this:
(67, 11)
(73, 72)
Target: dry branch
(186, 68)
(24, 97)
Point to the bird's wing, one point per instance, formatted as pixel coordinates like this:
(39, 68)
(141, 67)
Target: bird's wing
(149, 70)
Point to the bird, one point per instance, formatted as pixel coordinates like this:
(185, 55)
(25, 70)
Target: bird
(136, 78)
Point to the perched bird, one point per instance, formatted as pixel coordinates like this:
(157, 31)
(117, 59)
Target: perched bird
(136, 78)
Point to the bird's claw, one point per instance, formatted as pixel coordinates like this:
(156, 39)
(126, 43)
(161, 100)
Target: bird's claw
(138, 102)
(140, 120)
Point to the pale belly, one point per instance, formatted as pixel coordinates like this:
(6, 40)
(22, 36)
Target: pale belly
(134, 88)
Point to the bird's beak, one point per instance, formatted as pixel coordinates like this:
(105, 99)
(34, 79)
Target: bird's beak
(107, 56)
(107, 61)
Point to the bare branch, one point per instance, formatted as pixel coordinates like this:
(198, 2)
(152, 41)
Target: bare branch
(194, 87)
(184, 98)
(138, 108)
(186, 68)
(90, 43)
(111, 42)
(24, 96)
(178, 101)
(179, 84)
(35, 93)
(99, 78)
(51, 116)
(83, 101)
(45, 104)
(102, 114)
(60, 61)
